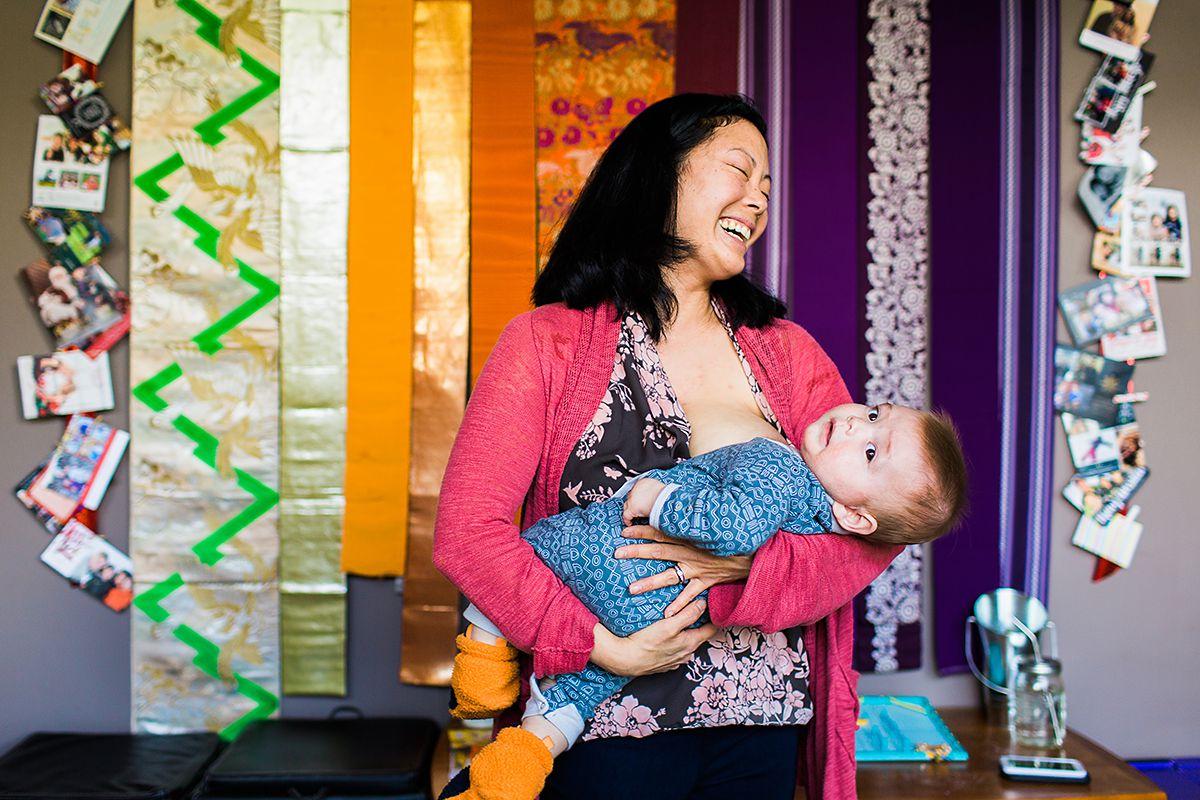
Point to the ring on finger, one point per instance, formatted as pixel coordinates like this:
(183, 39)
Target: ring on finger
(679, 573)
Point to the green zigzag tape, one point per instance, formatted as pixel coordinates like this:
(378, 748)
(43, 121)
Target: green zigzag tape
(150, 601)
(264, 499)
(209, 339)
(206, 443)
(207, 653)
(147, 391)
(265, 705)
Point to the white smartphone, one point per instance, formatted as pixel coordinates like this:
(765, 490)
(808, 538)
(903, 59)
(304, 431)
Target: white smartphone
(1036, 768)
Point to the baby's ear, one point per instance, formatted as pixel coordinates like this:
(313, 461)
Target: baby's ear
(854, 520)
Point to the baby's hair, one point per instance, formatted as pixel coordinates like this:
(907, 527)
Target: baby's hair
(938, 506)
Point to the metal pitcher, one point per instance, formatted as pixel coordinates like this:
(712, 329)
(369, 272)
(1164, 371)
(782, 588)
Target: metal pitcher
(1002, 641)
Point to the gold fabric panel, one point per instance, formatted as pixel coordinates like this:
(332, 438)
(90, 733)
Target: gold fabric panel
(204, 458)
(315, 136)
(503, 192)
(379, 382)
(441, 177)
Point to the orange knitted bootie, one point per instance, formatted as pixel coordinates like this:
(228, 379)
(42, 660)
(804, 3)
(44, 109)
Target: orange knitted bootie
(484, 680)
(514, 767)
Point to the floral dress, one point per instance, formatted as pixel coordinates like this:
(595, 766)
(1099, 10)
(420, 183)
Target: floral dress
(741, 677)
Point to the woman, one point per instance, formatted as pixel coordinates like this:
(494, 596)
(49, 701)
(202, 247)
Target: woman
(645, 330)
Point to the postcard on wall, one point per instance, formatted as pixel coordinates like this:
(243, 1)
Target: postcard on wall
(1093, 448)
(91, 563)
(1118, 27)
(1145, 339)
(1085, 384)
(83, 108)
(1100, 190)
(1106, 252)
(1102, 496)
(1154, 233)
(67, 171)
(1103, 306)
(80, 468)
(82, 307)
(82, 27)
(21, 491)
(1119, 149)
(1113, 95)
(64, 383)
(1116, 542)
(73, 237)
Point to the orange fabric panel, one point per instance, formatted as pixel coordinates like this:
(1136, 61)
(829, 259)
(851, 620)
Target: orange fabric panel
(503, 189)
(380, 290)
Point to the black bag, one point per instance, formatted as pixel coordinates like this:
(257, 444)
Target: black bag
(105, 766)
(327, 758)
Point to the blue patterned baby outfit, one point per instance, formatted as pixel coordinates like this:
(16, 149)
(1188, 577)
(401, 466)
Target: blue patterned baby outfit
(728, 501)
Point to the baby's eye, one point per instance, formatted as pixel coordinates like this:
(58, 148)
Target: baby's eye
(873, 414)
(870, 452)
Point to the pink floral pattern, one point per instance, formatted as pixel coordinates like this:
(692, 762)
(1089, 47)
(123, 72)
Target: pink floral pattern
(740, 677)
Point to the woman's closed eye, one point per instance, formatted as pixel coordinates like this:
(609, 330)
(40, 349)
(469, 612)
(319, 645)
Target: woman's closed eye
(739, 169)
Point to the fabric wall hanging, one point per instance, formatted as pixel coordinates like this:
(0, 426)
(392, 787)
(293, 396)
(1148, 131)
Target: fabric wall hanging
(380, 288)
(992, 328)
(441, 180)
(597, 64)
(314, 135)
(204, 240)
(503, 194)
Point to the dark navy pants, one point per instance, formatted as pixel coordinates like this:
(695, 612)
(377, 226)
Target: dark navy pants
(693, 764)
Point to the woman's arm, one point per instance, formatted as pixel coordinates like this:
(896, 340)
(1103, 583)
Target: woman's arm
(477, 544)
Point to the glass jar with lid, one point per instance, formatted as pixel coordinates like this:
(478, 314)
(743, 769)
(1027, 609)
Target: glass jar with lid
(1037, 702)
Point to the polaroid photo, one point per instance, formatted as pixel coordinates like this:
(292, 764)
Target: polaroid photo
(1145, 339)
(1112, 93)
(82, 27)
(1154, 234)
(80, 468)
(21, 491)
(91, 563)
(74, 238)
(1103, 306)
(1118, 27)
(68, 172)
(1085, 384)
(1102, 496)
(1116, 542)
(64, 383)
(1106, 253)
(82, 307)
(1100, 189)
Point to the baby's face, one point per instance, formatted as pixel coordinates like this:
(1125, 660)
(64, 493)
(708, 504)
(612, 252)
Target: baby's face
(863, 453)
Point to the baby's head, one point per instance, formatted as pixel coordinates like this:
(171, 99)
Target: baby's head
(893, 473)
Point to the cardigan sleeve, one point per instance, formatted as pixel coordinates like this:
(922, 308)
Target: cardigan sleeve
(477, 544)
(797, 580)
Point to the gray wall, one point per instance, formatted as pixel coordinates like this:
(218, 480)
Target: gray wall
(1130, 643)
(64, 663)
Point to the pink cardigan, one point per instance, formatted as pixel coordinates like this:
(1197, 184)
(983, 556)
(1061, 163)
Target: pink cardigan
(539, 389)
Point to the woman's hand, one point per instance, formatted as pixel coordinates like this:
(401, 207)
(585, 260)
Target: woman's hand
(659, 647)
(701, 568)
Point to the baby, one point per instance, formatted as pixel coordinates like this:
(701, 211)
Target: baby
(887, 472)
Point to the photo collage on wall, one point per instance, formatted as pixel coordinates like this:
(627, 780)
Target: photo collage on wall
(1141, 235)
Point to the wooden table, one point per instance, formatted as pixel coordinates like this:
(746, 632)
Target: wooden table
(979, 778)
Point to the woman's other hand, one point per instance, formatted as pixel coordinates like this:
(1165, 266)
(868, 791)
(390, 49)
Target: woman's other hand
(660, 647)
(702, 569)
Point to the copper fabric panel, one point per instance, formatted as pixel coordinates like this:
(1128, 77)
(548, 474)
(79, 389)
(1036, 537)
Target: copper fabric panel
(503, 191)
(597, 64)
(204, 240)
(441, 180)
(315, 137)
(379, 383)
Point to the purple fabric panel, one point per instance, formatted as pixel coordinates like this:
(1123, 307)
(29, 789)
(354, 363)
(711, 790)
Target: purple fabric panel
(964, 191)
(706, 46)
(823, 176)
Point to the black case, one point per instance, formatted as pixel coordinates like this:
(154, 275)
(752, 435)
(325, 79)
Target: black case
(105, 766)
(357, 758)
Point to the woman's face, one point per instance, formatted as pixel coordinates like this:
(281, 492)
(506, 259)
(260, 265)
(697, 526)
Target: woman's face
(722, 203)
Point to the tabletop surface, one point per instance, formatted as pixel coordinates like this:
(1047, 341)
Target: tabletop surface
(979, 778)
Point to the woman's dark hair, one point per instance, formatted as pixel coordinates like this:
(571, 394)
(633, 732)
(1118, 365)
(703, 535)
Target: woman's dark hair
(618, 237)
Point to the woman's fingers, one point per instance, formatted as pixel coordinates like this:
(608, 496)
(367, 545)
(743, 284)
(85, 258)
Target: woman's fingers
(644, 532)
(688, 615)
(689, 593)
(662, 552)
(659, 581)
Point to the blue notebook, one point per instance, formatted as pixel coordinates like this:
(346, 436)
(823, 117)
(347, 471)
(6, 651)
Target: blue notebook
(903, 728)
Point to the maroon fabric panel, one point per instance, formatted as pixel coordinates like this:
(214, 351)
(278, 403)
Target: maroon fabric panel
(706, 54)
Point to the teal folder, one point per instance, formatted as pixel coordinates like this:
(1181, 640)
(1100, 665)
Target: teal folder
(903, 728)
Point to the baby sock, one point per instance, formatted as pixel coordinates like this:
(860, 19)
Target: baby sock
(484, 680)
(513, 767)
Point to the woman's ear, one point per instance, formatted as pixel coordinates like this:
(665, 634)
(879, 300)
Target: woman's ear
(854, 520)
